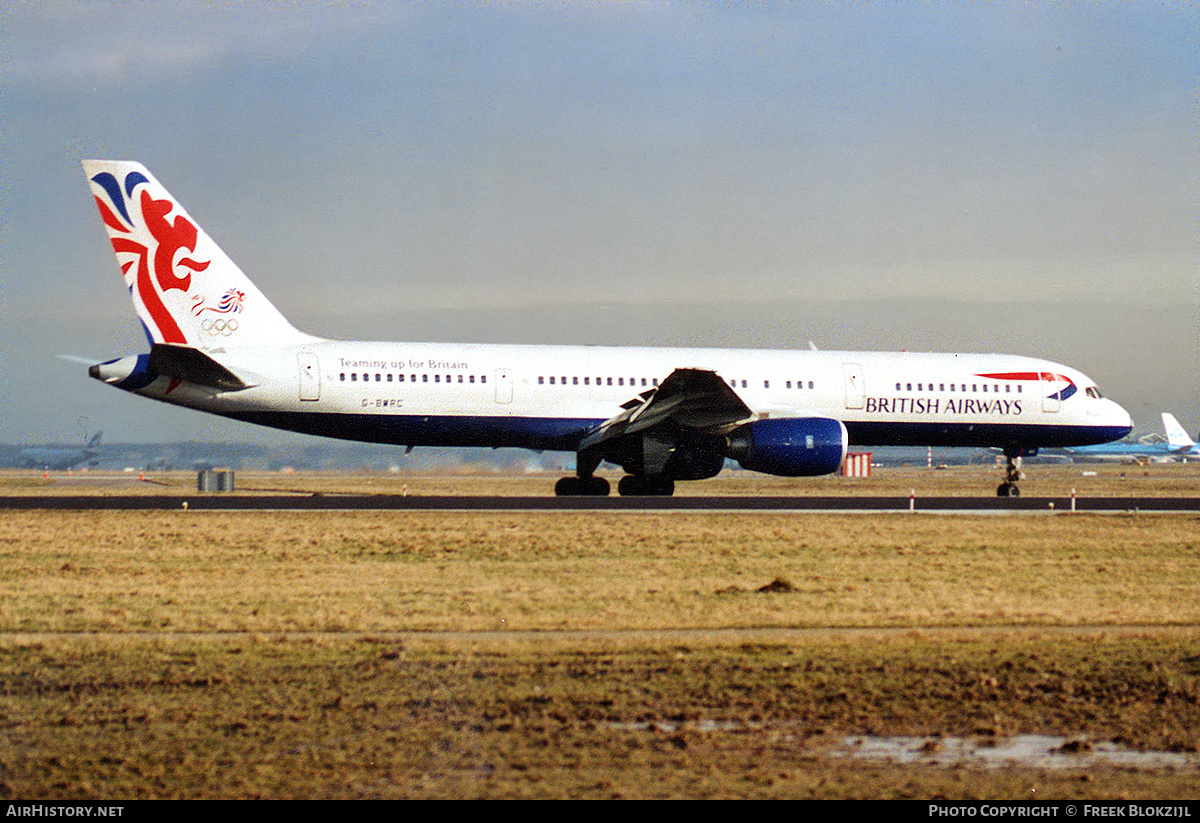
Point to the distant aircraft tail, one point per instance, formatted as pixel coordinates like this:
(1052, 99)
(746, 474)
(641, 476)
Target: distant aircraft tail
(186, 291)
(1177, 438)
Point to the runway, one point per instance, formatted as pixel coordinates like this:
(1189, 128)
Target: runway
(385, 502)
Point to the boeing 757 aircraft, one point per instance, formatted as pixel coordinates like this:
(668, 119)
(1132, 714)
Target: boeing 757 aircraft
(662, 414)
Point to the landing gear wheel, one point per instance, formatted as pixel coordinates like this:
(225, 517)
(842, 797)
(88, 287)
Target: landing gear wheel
(597, 487)
(639, 485)
(1012, 473)
(581, 487)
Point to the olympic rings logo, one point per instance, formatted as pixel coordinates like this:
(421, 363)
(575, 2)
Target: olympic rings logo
(221, 327)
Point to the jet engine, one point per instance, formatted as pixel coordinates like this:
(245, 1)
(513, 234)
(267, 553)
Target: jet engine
(791, 447)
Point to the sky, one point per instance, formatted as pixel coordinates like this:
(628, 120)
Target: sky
(1013, 177)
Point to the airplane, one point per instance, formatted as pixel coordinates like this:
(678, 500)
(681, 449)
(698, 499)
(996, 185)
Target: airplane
(661, 414)
(58, 458)
(1177, 446)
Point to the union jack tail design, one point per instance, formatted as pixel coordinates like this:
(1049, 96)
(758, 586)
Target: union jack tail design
(185, 289)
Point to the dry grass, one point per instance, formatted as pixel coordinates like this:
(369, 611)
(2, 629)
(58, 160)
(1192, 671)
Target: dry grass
(119, 678)
(120, 718)
(406, 571)
(1042, 480)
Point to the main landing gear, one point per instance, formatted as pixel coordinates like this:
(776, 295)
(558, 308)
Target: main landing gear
(1012, 474)
(590, 486)
(644, 485)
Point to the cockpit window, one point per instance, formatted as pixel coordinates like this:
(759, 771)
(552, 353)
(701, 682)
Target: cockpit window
(1094, 392)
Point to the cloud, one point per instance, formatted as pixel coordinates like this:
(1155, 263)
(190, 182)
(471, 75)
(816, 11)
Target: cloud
(108, 45)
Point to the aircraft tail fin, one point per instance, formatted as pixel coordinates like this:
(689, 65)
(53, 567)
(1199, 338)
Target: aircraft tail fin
(185, 289)
(1177, 438)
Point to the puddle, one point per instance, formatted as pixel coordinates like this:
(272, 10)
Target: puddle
(1023, 750)
(1040, 751)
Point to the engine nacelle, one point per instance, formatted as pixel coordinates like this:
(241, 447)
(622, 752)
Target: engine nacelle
(791, 447)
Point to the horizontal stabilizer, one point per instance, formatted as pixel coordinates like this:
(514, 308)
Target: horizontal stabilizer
(193, 366)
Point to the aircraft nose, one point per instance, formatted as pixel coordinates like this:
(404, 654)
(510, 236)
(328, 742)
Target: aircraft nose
(1121, 419)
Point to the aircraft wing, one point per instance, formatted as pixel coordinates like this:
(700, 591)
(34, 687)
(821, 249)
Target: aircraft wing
(687, 398)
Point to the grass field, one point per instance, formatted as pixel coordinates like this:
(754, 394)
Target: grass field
(426, 654)
(1042, 480)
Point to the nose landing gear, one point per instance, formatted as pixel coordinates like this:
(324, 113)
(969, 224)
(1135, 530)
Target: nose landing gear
(1012, 474)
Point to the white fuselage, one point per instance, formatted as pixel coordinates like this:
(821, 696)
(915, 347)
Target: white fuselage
(548, 397)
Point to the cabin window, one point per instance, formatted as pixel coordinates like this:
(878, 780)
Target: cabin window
(654, 381)
(908, 386)
(810, 384)
(587, 381)
(389, 377)
(353, 377)
(424, 378)
(471, 379)
(574, 381)
(483, 378)
(643, 381)
(343, 377)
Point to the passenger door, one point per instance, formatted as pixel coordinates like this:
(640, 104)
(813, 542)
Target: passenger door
(310, 376)
(504, 386)
(855, 391)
